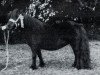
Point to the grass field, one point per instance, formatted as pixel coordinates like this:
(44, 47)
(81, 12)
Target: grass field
(57, 62)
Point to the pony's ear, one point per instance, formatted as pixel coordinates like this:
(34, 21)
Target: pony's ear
(15, 10)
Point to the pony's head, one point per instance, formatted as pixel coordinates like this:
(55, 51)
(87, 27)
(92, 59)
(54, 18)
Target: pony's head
(15, 20)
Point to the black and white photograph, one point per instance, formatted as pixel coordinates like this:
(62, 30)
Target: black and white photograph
(49, 37)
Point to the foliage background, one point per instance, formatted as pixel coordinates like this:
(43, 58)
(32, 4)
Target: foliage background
(51, 10)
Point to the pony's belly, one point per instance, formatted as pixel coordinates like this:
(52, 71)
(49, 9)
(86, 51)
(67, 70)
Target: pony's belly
(53, 44)
(54, 38)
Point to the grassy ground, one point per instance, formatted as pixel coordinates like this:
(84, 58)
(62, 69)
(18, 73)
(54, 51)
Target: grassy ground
(57, 62)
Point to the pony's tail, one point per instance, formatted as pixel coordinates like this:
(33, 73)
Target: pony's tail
(84, 48)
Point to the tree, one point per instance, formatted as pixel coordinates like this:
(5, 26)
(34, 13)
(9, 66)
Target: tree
(73, 8)
(83, 11)
(8, 5)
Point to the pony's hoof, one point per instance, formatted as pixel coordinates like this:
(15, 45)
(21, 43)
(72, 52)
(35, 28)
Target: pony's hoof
(82, 67)
(76, 66)
(73, 65)
(33, 67)
(42, 65)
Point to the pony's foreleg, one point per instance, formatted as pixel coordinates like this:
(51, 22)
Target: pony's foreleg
(33, 45)
(42, 64)
(36, 52)
(33, 66)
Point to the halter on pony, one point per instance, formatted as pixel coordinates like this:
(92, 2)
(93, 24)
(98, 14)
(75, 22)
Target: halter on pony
(21, 17)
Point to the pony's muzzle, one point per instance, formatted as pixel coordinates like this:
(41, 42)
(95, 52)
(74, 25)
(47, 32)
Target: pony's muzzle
(8, 26)
(3, 27)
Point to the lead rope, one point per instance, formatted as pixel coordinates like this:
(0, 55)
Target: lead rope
(6, 39)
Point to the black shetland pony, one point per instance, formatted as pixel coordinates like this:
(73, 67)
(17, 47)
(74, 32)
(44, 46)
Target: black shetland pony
(52, 37)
